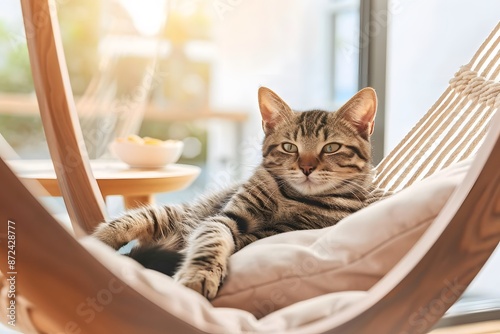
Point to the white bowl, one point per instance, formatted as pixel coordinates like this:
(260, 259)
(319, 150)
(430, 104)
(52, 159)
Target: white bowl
(140, 155)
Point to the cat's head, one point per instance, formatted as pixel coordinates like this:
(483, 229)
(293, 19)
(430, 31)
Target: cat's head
(318, 152)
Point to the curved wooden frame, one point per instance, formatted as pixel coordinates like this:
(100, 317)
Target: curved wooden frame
(80, 191)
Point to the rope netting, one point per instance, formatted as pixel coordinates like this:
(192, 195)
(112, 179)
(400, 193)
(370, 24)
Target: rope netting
(454, 127)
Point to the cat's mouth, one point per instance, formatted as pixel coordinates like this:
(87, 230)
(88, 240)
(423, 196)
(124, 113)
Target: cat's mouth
(309, 185)
(309, 180)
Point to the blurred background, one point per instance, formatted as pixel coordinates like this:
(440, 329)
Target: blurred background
(190, 70)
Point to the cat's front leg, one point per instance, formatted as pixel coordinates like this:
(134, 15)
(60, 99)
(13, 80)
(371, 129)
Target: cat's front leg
(147, 224)
(207, 254)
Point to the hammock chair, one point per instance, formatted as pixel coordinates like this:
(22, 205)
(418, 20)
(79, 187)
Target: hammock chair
(433, 236)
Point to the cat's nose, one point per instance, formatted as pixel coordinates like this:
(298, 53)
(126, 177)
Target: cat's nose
(308, 163)
(307, 169)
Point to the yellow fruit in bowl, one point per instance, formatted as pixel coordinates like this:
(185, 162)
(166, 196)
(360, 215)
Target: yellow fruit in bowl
(141, 141)
(135, 139)
(152, 141)
(146, 152)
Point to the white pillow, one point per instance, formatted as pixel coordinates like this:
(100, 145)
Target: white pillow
(353, 255)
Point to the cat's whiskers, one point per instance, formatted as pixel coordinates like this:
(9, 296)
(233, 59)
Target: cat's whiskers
(352, 186)
(355, 188)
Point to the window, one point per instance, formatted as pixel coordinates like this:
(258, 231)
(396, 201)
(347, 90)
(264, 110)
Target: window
(345, 50)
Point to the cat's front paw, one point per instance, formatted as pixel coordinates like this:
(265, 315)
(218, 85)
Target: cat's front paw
(108, 235)
(202, 280)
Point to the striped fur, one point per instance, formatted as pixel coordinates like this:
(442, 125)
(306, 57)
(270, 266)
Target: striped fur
(299, 185)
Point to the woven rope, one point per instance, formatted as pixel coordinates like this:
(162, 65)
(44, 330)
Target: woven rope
(468, 82)
(453, 129)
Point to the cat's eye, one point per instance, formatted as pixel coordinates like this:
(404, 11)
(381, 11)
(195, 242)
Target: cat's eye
(290, 148)
(331, 148)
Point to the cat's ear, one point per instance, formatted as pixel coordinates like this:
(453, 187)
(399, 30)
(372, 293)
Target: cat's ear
(273, 109)
(360, 111)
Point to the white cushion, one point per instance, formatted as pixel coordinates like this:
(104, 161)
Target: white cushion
(304, 275)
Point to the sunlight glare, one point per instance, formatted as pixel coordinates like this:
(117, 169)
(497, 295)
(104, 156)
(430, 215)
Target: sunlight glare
(148, 16)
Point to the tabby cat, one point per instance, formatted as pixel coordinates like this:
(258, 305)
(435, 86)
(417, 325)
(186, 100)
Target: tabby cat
(316, 170)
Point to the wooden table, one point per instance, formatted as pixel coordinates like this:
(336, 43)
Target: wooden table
(137, 186)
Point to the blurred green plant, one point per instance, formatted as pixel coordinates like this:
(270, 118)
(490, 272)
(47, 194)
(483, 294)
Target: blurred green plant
(24, 133)
(80, 25)
(14, 62)
(80, 36)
